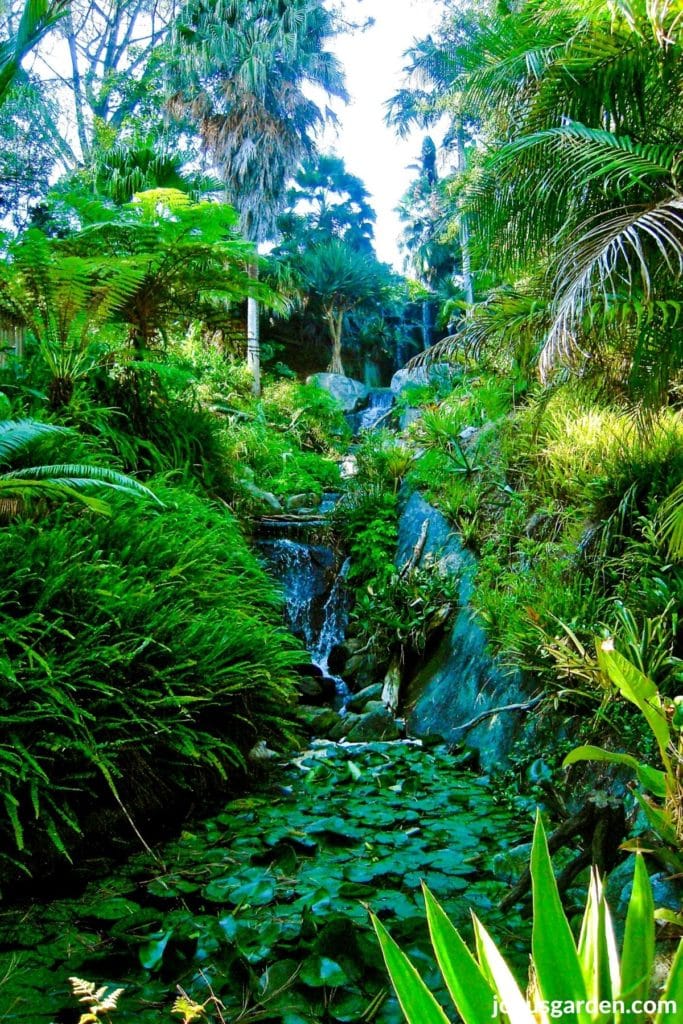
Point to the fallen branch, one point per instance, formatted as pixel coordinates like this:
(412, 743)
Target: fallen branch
(524, 706)
(417, 550)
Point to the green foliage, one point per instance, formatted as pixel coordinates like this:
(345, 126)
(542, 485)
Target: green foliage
(665, 812)
(261, 905)
(37, 18)
(61, 481)
(398, 610)
(136, 655)
(154, 266)
(571, 977)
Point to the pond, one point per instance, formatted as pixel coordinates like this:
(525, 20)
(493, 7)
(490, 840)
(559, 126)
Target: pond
(265, 905)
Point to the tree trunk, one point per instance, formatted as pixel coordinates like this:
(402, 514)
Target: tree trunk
(253, 337)
(79, 98)
(336, 325)
(464, 229)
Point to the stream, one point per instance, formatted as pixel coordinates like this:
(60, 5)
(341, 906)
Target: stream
(260, 912)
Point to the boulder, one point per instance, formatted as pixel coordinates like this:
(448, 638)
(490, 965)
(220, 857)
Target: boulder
(263, 496)
(349, 393)
(442, 544)
(319, 721)
(343, 726)
(460, 679)
(360, 699)
(376, 723)
(316, 690)
(301, 502)
(421, 376)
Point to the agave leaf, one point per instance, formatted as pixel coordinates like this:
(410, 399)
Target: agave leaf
(638, 952)
(597, 946)
(672, 1000)
(509, 994)
(650, 778)
(416, 1001)
(554, 953)
(467, 985)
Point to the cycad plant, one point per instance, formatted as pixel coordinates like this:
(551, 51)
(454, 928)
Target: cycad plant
(62, 480)
(582, 982)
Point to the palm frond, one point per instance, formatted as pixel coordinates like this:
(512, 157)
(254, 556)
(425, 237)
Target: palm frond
(624, 249)
(573, 156)
(671, 519)
(79, 477)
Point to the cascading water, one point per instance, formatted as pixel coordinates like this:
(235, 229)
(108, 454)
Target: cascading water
(380, 401)
(333, 631)
(316, 598)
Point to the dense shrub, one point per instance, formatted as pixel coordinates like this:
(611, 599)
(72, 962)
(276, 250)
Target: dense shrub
(135, 650)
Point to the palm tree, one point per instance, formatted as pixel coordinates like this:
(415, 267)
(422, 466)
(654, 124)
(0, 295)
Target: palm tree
(579, 105)
(250, 63)
(340, 278)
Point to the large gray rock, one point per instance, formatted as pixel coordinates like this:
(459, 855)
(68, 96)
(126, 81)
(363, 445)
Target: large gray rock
(436, 373)
(461, 679)
(348, 392)
(442, 544)
(358, 701)
(376, 723)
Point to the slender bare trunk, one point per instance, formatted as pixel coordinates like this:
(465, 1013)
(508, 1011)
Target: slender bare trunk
(79, 98)
(335, 322)
(254, 337)
(464, 229)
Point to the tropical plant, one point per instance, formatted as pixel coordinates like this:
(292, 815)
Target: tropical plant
(582, 981)
(661, 791)
(161, 262)
(141, 654)
(61, 481)
(38, 17)
(248, 65)
(340, 278)
(575, 194)
(326, 201)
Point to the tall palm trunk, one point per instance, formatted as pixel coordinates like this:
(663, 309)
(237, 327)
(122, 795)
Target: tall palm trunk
(254, 337)
(464, 229)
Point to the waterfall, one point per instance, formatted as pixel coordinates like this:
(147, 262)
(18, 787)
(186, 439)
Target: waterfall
(380, 401)
(316, 597)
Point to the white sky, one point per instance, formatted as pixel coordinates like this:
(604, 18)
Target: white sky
(373, 61)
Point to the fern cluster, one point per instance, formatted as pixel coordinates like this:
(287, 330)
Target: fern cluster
(140, 654)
